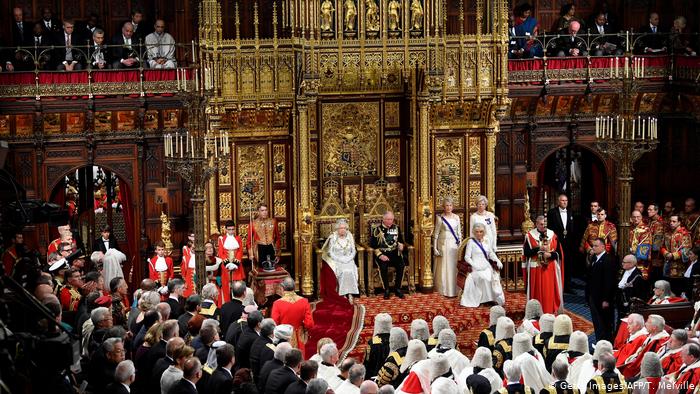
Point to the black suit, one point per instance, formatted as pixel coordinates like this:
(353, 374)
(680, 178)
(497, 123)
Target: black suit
(279, 379)
(121, 52)
(690, 282)
(636, 287)
(567, 240)
(298, 387)
(21, 37)
(176, 308)
(650, 40)
(158, 369)
(266, 370)
(600, 287)
(56, 27)
(597, 46)
(221, 382)
(60, 54)
(260, 353)
(98, 245)
(100, 371)
(564, 44)
(116, 388)
(245, 342)
(183, 387)
(230, 312)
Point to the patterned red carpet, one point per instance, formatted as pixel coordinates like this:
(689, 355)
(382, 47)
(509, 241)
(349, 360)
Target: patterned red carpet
(467, 322)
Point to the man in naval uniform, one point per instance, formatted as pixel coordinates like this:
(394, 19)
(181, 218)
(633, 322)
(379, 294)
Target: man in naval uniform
(387, 242)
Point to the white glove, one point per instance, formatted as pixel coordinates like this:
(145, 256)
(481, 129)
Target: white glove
(436, 251)
(163, 290)
(231, 266)
(499, 264)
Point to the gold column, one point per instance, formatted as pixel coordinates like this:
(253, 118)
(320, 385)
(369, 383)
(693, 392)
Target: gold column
(424, 211)
(491, 166)
(304, 208)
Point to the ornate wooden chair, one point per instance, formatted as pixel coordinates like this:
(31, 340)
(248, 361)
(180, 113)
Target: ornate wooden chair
(324, 223)
(369, 220)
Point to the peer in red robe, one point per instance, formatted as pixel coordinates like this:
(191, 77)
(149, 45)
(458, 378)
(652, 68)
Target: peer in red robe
(230, 249)
(631, 345)
(633, 364)
(671, 360)
(185, 269)
(294, 310)
(544, 276)
(160, 266)
(688, 378)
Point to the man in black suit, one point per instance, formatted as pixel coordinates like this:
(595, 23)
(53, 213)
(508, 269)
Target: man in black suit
(307, 371)
(88, 28)
(104, 363)
(175, 289)
(631, 285)
(49, 24)
(603, 43)
(569, 44)
(280, 378)
(156, 352)
(691, 273)
(560, 219)
(651, 42)
(191, 374)
(66, 56)
(600, 290)
(221, 381)
(251, 332)
(277, 362)
(141, 28)
(124, 376)
(126, 50)
(21, 30)
(21, 37)
(263, 344)
(106, 241)
(173, 345)
(192, 306)
(233, 310)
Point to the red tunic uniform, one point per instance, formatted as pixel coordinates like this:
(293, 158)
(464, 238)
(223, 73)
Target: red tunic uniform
(294, 310)
(70, 298)
(263, 233)
(9, 259)
(604, 230)
(155, 275)
(187, 272)
(226, 275)
(544, 282)
(677, 244)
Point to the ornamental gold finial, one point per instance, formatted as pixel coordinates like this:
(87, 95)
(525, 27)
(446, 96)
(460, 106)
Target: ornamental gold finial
(165, 232)
(527, 224)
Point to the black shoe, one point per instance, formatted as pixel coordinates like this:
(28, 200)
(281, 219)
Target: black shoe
(386, 294)
(399, 293)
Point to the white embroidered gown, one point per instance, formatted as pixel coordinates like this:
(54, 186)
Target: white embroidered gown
(448, 247)
(339, 254)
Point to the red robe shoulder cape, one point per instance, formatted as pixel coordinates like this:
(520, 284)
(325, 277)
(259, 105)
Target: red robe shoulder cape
(545, 282)
(294, 310)
(238, 274)
(155, 275)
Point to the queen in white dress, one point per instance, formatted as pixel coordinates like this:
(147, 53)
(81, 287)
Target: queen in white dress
(448, 236)
(488, 219)
(339, 253)
(483, 284)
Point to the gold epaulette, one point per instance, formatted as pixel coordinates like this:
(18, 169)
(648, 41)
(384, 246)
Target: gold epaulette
(557, 345)
(271, 346)
(489, 336)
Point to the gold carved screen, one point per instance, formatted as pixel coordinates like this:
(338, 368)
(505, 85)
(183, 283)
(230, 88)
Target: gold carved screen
(350, 139)
(458, 170)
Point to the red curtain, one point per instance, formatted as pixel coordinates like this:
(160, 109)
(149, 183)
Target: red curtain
(128, 213)
(58, 77)
(687, 61)
(525, 64)
(17, 78)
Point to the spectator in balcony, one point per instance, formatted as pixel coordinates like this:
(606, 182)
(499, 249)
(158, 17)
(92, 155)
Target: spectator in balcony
(41, 42)
(610, 18)
(87, 28)
(21, 30)
(49, 24)
(651, 41)
(515, 51)
(139, 24)
(680, 39)
(527, 26)
(125, 53)
(15, 60)
(98, 51)
(66, 56)
(570, 44)
(160, 47)
(604, 44)
(566, 16)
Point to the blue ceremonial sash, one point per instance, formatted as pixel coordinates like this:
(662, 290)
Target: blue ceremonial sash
(486, 255)
(451, 230)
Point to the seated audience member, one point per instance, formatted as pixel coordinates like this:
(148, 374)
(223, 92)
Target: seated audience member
(579, 360)
(447, 344)
(607, 377)
(662, 294)
(440, 323)
(415, 352)
(658, 336)
(420, 331)
(526, 28)
(503, 349)
(688, 377)
(160, 47)
(487, 336)
(651, 41)
(513, 376)
(637, 334)
(531, 363)
(611, 19)
(482, 364)
(98, 51)
(125, 50)
(670, 354)
(570, 44)
(377, 349)
(398, 346)
(317, 386)
(352, 384)
(559, 342)
(86, 30)
(560, 370)
(546, 332)
(531, 320)
(603, 43)
(651, 372)
(329, 358)
(567, 15)
(344, 368)
(67, 56)
(124, 376)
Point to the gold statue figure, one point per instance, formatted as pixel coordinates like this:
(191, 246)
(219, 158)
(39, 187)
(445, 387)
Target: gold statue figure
(327, 11)
(416, 15)
(165, 233)
(372, 16)
(350, 14)
(394, 15)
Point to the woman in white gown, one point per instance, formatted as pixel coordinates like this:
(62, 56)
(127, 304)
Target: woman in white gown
(488, 219)
(448, 236)
(483, 284)
(339, 253)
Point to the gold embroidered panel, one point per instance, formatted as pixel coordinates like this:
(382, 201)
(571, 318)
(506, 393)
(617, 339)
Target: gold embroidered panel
(282, 227)
(448, 169)
(474, 193)
(251, 162)
(225, 179)
(225, 207)
(391, 114)
(243, 232)
(313, 166)
(392, 157)
(350, 135)
(280, 203)
(279, 163)
(474, 155)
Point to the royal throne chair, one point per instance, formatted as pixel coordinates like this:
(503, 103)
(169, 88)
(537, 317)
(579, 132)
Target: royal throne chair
(324, 222)
(369, 220)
